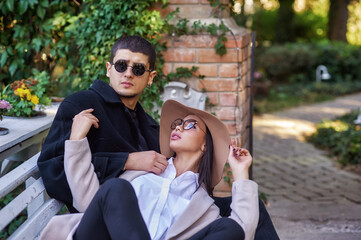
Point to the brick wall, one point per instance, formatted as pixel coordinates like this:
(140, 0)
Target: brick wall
(229, 94)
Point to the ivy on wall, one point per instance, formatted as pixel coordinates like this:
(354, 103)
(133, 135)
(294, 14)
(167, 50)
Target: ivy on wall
(71, 40)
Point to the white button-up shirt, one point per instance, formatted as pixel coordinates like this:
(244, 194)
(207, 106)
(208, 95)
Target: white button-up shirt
(162, 198)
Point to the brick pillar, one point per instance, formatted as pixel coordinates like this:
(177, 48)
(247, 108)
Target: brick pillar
(227, 77)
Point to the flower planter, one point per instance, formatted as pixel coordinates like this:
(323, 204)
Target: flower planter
(38, 114)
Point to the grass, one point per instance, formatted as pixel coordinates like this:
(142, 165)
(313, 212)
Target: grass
(341, 138)
(284, 96)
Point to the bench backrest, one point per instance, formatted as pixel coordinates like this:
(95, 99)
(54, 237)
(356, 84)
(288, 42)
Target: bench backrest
(39, 210)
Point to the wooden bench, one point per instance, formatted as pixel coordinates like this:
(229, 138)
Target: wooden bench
(40, 208)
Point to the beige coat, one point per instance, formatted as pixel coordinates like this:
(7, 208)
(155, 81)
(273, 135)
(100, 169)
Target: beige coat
(200, 211)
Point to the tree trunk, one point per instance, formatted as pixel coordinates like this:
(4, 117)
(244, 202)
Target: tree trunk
(337, 20)
(284, 27)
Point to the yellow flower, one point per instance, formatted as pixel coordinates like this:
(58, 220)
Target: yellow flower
(28, 94)
(23, 92)
(34, 99)
(18, 91)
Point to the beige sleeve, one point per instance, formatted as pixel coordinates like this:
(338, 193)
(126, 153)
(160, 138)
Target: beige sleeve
(80, 174)
(245, 208)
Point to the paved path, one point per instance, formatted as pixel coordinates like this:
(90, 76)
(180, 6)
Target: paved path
(310, 197)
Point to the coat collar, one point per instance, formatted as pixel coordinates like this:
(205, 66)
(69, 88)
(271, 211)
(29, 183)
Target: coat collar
(110, 96)
(197, 207)
(105, 91)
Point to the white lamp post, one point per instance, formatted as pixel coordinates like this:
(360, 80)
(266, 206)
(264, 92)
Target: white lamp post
(322, 73)
(358, 119)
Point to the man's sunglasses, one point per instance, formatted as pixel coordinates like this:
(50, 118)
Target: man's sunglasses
(186, 125)
(138, 69)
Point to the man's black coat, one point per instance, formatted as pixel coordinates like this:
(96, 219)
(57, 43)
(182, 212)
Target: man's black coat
(110, 144)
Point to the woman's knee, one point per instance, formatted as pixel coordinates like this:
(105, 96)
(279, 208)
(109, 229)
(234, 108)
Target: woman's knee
(232, 226)
(117, 187)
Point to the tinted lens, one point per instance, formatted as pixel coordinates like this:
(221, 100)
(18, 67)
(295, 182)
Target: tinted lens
(176, 123)
(188, 124)
(121, 66)
(138, 69)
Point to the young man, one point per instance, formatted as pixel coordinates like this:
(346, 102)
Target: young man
(127, 137)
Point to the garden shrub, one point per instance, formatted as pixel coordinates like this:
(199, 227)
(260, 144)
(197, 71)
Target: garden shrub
(341, 137)
(280, 62)
(341, 59)
(298, 61)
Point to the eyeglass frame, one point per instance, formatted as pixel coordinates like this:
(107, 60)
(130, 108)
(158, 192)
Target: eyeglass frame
(182, 123)
(132, 67)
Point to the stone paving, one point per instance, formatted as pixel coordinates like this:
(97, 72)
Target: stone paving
(309, 196)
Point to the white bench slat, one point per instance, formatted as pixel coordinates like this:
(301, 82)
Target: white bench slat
(33, 226)
(12, 209)
(17, 176)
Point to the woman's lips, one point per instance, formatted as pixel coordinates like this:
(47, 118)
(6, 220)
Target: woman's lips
(175, 136)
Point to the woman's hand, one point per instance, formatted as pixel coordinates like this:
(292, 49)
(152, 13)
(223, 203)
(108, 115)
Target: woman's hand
(82, 123)
(240, 160)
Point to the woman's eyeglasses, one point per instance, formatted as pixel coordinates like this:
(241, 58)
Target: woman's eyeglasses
(186, 124)
(138, 69)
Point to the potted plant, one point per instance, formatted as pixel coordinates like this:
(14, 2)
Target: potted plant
(25, 95)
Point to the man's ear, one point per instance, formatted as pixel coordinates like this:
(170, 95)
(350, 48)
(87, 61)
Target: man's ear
(108, 66)
(152, 74)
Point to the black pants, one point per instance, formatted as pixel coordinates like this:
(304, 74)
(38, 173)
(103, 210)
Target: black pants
(265, 229)
(114, 214)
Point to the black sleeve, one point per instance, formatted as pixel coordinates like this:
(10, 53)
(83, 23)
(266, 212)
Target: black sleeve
(51, 161)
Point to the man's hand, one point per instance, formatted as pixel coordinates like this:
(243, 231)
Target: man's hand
(149, 161)
(82, 123)
(240, 160)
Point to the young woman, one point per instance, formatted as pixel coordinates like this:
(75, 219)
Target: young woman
(176, 204)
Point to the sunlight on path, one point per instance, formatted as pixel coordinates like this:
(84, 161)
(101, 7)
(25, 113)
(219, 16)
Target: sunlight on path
(310, 196)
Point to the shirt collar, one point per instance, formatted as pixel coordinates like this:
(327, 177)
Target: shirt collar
(184, 176)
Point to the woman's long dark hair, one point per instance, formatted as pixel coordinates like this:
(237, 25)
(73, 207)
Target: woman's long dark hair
(206, 165)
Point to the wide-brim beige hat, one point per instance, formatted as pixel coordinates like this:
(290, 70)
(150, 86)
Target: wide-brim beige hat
(172, 110)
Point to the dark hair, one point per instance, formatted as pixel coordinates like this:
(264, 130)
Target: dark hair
(135, 44)
(206, 165)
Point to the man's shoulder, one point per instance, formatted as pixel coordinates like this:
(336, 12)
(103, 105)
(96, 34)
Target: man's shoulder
(79, 100)
(84, 95)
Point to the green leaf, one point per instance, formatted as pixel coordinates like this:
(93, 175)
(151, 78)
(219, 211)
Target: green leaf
(12, 68)
(44, 3)
(10, 5)
(36, 44)
(32, 3)
(40, 11)
(3, 59)
(9, 49)
(23, 6)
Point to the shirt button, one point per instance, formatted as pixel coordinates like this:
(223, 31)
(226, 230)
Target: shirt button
(99, 175)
